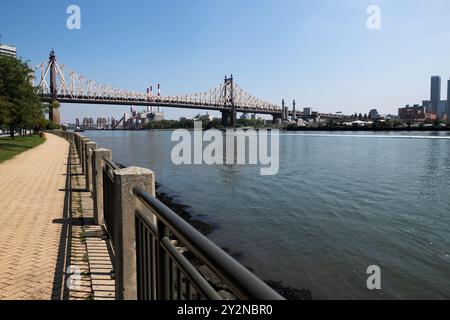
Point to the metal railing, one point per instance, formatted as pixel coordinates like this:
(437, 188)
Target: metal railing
(175, 275)
(156, 253)
(108, 199)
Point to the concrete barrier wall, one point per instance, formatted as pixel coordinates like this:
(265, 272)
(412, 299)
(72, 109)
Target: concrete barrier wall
(92, 161)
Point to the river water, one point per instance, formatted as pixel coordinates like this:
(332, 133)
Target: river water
(340, 203)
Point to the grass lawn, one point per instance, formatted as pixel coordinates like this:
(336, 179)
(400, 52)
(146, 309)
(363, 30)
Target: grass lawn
(12, 147)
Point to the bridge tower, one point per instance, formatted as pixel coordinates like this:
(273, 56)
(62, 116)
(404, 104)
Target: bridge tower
(52, 64)
(53, 114)
(229, 116)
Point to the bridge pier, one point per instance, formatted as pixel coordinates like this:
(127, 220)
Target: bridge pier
(54, 115)
(229, 118)
(276, 119)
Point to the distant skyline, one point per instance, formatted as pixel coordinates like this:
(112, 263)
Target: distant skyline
(319, 53)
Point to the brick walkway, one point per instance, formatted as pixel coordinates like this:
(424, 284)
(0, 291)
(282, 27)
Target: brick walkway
(44, 229)
(32, 200)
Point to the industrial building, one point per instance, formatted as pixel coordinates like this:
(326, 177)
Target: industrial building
(6, 50)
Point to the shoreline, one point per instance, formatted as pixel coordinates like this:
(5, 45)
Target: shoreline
(364, 129)
(206, 228)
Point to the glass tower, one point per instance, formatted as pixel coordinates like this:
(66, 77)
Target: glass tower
(435, 93)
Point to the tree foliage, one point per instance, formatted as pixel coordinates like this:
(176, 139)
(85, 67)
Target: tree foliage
(20, 106)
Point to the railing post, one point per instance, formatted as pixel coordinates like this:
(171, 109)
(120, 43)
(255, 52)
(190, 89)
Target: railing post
(124, 223)
(97, 183)
(78, 144)
(162, 267)
(90, 146)
(84, 140)
(71, 137)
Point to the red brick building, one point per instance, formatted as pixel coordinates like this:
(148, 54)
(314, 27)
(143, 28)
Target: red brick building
(415, 112)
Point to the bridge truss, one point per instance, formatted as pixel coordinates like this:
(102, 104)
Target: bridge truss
(55, 82)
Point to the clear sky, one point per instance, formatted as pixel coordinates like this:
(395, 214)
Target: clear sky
(319, 52)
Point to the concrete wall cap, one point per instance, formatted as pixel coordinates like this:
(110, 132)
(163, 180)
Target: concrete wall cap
(133, 171)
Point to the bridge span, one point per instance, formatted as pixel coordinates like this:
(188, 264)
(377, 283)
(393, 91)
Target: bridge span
(56, 84)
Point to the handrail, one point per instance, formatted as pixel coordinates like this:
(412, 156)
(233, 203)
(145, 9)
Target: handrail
(196, 278)
(111, 164)
(241, 281)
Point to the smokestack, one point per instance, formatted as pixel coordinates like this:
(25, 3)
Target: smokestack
(151, 95)
(159, 95)
(293, 109)
(283, 110)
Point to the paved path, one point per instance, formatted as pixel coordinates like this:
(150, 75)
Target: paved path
(32, 200)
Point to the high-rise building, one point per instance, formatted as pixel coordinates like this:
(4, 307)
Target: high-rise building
(435, 95)
(9, 51)
(427, 105)
(447, 111)
(88, 123)
(442, 108)
(102, 122)
(307, 112)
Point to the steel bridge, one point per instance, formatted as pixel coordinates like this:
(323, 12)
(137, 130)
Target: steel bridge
(55, 83)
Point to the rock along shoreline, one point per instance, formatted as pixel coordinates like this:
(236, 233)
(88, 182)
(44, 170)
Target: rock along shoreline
(205, 228)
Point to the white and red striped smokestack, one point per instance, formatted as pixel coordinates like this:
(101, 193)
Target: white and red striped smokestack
(151, 95)
(159, 95)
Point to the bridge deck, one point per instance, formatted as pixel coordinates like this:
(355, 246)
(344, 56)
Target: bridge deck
(153, 103)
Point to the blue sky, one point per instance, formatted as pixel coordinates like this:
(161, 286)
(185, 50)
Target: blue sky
(318, 52)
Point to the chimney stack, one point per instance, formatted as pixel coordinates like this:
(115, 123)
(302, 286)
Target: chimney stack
(294, 111)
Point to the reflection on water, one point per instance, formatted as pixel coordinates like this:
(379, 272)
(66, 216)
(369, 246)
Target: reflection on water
(340, 203)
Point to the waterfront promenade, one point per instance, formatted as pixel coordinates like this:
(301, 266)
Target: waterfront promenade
(41, 232)
(31, 198)
(67, 211)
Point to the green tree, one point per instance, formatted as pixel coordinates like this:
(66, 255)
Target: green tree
(20, 106)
